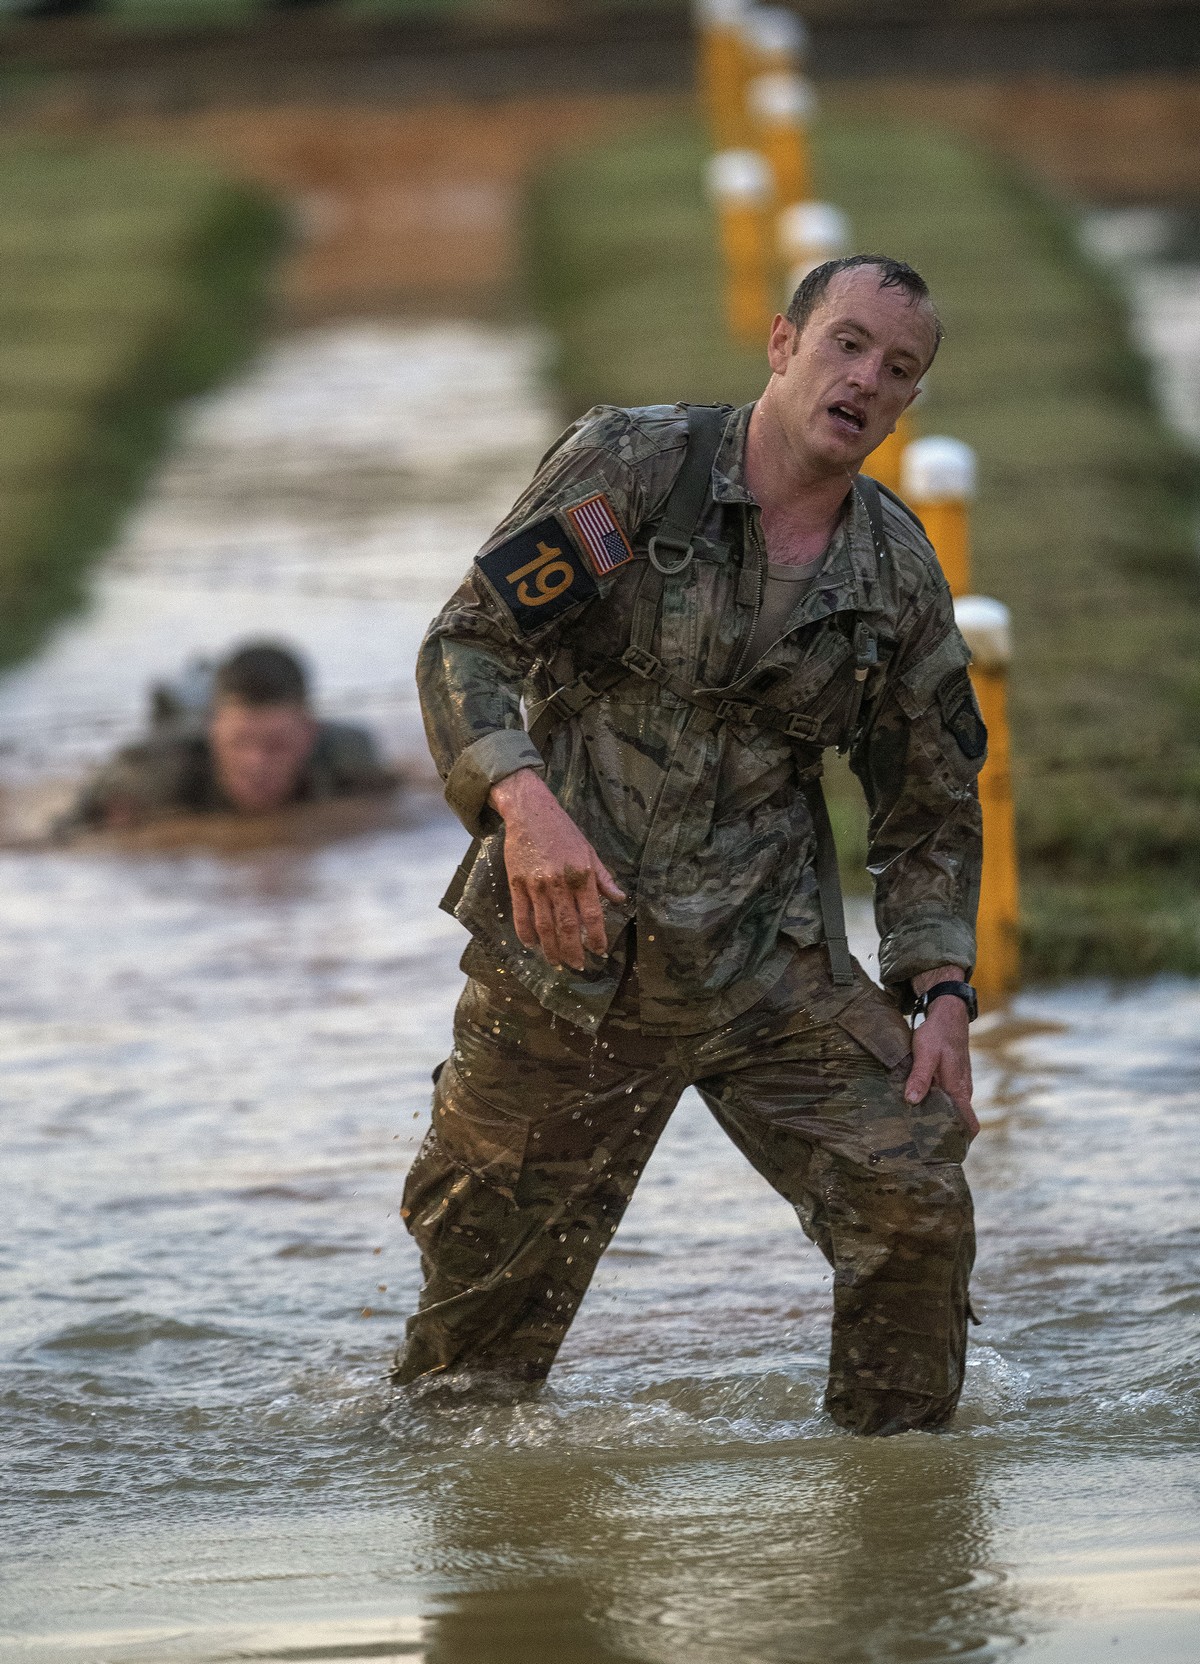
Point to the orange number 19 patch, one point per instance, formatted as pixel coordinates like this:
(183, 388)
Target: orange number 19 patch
(538, 574)
(554, 574)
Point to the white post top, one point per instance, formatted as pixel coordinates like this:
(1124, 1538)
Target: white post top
(986, 627)
(936, 470)
(739, 176)
(718, 14)
(813, 231)
(774, 32)
(781, 98)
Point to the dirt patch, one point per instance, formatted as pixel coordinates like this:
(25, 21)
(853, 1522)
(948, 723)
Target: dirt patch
(417, 211)
(1130, 140)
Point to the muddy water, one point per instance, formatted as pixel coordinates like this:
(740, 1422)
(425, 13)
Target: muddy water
(215, 1070)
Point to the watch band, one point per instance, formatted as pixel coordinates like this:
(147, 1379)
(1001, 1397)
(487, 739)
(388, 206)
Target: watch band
(961, 990)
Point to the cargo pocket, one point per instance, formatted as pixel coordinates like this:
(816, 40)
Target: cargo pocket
(877, 1025)
(485, 1140)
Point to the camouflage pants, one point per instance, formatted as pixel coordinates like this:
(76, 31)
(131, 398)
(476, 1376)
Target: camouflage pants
(540, 1134)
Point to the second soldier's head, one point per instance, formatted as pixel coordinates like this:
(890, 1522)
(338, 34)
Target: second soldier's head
(261, 729)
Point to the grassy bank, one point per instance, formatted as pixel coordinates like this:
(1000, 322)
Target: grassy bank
(1083, 522)
(127, 281)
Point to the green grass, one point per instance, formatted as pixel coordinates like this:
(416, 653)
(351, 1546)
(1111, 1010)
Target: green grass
(1085, 514)
(127, 281)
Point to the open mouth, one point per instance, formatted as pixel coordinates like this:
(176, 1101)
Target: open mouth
(848, 418)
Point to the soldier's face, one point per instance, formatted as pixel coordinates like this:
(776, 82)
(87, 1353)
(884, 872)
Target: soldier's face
(259, 752)
(841, 384)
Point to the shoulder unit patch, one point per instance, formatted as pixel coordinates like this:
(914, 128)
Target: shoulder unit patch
(600, 534)
(538, 574)
(960, 712)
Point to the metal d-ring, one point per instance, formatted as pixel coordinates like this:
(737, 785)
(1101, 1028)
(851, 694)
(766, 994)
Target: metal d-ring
(669, 571)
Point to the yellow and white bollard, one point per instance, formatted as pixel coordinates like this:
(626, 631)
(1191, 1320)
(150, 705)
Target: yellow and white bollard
(740, 184)
(724, 69)
(810, 233)
(937, 481)
(987, 629)
(774, 40)
(884, 462)
(780, 108)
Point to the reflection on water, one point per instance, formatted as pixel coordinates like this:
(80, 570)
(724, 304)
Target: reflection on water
(215, 1071)
(215, 1068)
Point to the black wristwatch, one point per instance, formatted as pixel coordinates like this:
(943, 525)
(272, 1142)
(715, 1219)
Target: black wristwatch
(961, 991)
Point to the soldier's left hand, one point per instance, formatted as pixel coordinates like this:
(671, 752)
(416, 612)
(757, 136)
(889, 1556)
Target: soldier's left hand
(942, 1057)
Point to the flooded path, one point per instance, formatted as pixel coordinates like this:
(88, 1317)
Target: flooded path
(215, 1071)
(329, 497)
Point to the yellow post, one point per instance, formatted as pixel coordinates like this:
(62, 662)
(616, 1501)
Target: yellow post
(723, 69)
(810, 233)
(780, 108)
(740, 184)
(986, 627)
(883, 464)
(937, 481)
(775, 40)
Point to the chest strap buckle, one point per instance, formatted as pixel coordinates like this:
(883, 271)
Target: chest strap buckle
(643, 663)
(735, 710)
(573, 698)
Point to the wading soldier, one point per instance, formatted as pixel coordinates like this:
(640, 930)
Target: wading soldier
(690, 604)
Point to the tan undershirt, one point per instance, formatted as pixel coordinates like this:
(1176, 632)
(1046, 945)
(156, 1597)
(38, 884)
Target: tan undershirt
(784, 589)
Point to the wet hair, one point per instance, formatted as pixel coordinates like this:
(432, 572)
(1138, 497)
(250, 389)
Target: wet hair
(261, 673)
(893, 274)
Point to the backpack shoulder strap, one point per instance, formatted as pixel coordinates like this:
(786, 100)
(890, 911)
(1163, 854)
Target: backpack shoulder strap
(685, 507)
(871, 494)
(670, 548)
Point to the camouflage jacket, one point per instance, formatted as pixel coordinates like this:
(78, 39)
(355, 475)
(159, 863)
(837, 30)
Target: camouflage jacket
(172, 772)
(703, 821)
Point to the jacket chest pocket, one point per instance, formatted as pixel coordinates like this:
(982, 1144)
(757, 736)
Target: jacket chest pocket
(818, 683)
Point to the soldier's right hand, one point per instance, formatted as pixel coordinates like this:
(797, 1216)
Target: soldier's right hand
(555, 876)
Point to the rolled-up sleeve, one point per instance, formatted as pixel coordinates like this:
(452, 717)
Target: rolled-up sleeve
(480, 766)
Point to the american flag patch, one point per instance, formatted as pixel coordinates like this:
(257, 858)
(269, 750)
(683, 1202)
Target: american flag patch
(605, 542)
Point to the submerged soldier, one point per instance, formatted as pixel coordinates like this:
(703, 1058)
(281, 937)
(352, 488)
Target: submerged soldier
(245, 742)
(691, 603)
